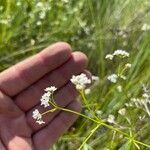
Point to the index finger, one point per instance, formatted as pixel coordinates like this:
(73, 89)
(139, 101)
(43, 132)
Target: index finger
(25, 73)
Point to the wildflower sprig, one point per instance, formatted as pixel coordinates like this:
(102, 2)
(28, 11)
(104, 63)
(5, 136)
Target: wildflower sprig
(81, 83)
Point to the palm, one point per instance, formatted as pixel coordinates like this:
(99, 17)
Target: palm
(23, 86)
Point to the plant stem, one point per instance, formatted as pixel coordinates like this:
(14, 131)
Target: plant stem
(88, 137)
(77, 113)
(99, 122)
(86, 103)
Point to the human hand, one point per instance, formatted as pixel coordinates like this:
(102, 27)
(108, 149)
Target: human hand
(21, 87)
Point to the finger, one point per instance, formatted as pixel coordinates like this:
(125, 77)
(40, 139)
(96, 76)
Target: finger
(22, 75)
(2, 146)
(30, 97)
(7, 107)
(62, 98)
(46, 137)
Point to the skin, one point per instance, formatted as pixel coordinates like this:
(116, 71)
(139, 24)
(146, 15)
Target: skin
(21, 87)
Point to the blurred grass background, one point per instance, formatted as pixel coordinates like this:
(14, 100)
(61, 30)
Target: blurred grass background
(96, 27)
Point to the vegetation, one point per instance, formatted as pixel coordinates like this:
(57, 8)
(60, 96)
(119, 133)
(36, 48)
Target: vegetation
(98, 28)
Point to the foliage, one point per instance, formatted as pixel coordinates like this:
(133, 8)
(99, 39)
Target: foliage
(96, 27)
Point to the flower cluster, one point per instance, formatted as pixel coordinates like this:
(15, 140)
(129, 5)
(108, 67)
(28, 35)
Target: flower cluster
(45, 99)
(111, 119)
(80, 81)
(38, 117)
(113, 78)
(121, 53)
(47, 96)
(122, 111)
(141, 103)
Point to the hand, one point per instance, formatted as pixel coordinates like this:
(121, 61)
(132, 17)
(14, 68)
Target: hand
(21, 88)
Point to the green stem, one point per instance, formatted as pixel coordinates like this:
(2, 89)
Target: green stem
(141, 143)
(100, 122)
(106, 125)
(86, 103)
(49, 111)
(77, 113)
(89, 136)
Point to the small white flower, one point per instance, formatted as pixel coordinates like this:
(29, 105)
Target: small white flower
(36, 114)
(111, 119)
(145, 95)
(87, 91)
(80, 81)
(46, 97)
(128, 104)
(113, 78)
(145, 27)
(39, 5)
(42, 15)
(39, 23)
(95, 78)
(40, 122)
(122, 111)
(128, 65)
(38, 117)
(122, 53)
(123, 77)
(99, 112)
(119, 88)
(109, 56)
(51, 89)
(32, 42)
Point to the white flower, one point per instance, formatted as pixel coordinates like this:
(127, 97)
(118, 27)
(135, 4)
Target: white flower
(37, 116)
(99, 112)
(42, 15)
(95, 78)
(145, 27)
(87, 91)
(51, 89)
(80, 81)
(39, 5)
(113, 78)
(122, 111)
(32, 42)
(39, 23)
(40, 122)
(128, 65)
(145, 95)
(122, 53)
(111, 119)
(128, 104)
(119, 88)
(123, 77)
(109, 56)
(46, 97)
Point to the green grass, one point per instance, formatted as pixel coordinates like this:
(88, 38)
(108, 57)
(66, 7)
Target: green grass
(91, 26)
